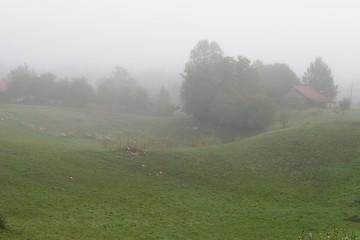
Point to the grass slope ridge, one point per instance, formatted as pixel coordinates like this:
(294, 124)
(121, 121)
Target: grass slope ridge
(271, 186)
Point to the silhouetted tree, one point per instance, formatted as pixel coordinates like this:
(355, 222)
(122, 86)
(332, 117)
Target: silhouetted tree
(62, 93)
(81, 92)
(201, 78)
(22, 84)
(319, 76)
(76, 92)
(284, 116)
(162, 104)
(125, 86)
(122, 93)
(224, 90)
(140, 100)
(344, 105)
(276, 79)
(45, 88)
(107, 94)
(243, 110)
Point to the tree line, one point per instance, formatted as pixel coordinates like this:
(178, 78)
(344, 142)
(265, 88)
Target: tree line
(118, 93)
(229, 91)
(239, 93)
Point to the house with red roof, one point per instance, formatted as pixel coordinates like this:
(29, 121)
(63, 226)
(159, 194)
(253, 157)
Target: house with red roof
(303, 96)
(3, 86)
(3, 89)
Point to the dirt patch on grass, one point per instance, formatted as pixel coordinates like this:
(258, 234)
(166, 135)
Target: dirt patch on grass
(354, 218)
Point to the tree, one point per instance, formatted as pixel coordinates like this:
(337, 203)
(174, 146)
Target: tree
(284, 116)
(81, 92)
(28, 87)
(46, 88)
(106, 94)
(344, 105)
(203, 53)
(140, 100)
(319, 76)
(200, 80)
(124, 86)
(162, 102)
(224, 90)
(238, 73)
(21, 83)
(244, 111)
(121, 93)
(276, 79)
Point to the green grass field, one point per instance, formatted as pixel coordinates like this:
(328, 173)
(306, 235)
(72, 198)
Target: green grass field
(58, 181)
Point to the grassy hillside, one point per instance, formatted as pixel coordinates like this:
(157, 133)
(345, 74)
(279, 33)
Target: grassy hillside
(90, 128)
(272, 186)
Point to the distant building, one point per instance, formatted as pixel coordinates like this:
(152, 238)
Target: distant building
(3, 90)
(3, 86)
(303, 96)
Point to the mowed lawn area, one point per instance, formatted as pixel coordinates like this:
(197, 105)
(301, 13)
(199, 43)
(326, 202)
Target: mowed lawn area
(66, 174)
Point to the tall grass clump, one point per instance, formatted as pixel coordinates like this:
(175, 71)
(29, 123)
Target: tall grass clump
(205, 140)
(2, 222)
(135, 143)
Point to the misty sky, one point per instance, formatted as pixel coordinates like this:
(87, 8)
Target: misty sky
(96, 35)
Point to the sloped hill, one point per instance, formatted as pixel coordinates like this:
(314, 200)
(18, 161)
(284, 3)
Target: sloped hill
(272, 186)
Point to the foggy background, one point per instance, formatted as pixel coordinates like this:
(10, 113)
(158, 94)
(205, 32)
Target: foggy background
(153, 39)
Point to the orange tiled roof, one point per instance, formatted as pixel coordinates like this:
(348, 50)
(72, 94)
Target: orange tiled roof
(311, 94)
(3, 86)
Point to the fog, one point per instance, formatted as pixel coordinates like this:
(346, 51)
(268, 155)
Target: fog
(90, 37)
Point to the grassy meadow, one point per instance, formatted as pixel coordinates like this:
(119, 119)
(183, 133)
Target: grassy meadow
(65, 175)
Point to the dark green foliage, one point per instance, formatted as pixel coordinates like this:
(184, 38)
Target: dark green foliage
(284, 116)
(76, 92)
(81, 92)
(139, 101)
(354, 218)
(276, 79)
(162, 103)
(22, 83)
(25, 86)
(319, 76)
(224, 90)
(259, 111)
(344, 105)
(250, 111)
(2, 222)
(120, 93)
(201, 80)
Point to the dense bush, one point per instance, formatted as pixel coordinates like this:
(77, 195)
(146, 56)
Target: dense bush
(225, 90)
(25, 86)
(2, 222)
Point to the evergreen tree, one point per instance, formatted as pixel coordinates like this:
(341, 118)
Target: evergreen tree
(319, 76)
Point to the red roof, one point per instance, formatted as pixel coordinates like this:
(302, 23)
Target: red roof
(311, 94)
(3, 86)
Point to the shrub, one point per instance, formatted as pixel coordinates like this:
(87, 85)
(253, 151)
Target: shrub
(344, 105)
(205, 141)
(283, 117)
(2, 222)
(246, 111)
